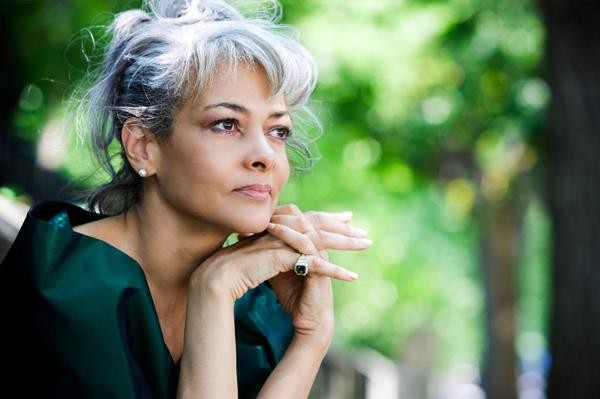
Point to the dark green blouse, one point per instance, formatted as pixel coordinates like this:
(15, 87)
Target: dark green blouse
(79, 320)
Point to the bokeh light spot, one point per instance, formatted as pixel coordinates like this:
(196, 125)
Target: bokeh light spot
(31, 98)
(359, 154)
(355, 315)
(398, 178)
(435, 110)
(459, 196)
(383, 294)
(534, 95)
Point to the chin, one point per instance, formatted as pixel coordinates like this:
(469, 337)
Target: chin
(252, 226)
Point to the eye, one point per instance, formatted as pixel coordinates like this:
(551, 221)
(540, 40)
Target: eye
(224, 125)
(281, 132)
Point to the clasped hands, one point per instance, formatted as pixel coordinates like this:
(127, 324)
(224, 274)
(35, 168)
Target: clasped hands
(271, 256)
(309, 300)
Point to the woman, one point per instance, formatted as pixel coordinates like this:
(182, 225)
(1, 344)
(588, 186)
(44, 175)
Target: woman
(141, 299)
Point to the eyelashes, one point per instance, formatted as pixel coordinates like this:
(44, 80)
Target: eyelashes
(285, 131)
(224, 125)
(232, 125)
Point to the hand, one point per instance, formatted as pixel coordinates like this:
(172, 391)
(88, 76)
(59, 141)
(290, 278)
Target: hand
(309, 299)
(208, 360)
(230, 272)
(328, 229)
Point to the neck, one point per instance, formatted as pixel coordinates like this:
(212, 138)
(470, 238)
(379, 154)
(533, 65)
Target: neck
(168, 244)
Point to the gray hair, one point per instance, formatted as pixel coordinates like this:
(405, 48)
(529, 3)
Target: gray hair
(159, 57)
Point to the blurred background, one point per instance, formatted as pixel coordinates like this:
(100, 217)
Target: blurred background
(463, 135)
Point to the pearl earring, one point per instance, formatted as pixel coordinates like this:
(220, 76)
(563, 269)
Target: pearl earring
(142, 173)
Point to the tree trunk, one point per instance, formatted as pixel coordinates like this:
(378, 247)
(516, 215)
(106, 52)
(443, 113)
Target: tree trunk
(500, 227)
(573, 68)
(17, 156)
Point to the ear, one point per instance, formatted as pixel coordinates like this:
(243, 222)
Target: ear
(140, 145)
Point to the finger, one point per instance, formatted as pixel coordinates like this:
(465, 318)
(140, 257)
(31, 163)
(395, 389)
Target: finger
(291, 237)
(337, 222)
(329, 222)
(317, 265)
(301, 221)
(300, 224)
(242, 236)
(345, 216)
(326, 240)
(287, 209)
(292, 209)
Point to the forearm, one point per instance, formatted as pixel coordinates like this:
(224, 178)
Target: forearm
(208, 368)
(294, 375)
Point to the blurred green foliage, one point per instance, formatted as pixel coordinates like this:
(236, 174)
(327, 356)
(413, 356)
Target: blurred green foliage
(430, 109)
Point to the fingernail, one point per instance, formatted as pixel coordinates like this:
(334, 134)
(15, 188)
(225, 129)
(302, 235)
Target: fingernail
(352, 275)
(360, 232)
(366, 241)
(347, 214)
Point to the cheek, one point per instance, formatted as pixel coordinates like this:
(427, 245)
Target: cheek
(183, 171)
(195, 161)
(283, 173)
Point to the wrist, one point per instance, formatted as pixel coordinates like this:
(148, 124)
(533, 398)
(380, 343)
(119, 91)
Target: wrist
(318, 343)
(310, 349)
(210, 289)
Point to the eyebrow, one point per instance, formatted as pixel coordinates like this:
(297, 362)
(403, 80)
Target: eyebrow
(243, 110)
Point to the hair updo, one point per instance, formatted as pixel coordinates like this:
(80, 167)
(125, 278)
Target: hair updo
(160, 56)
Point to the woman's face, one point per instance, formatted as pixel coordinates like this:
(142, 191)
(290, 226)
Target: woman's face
(225, 161)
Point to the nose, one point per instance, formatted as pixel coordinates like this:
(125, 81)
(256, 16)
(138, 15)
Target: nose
(260, 155)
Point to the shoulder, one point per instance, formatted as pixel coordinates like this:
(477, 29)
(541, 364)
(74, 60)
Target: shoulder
(47, 253)
(71, 306)
(45, 231)
(60, 214)
(106, 230)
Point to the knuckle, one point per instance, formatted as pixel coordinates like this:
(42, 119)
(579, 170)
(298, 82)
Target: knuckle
(305, 225)
(314, 262)
(313, 217)
(319, 220)
(275, 227)
(317, 242)
(280, 261)
(287, 207)
(307, 246)
(347, 230)
(321, 236)
(294, 209)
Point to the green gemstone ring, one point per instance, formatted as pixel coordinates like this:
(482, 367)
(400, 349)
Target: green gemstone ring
(301, 266)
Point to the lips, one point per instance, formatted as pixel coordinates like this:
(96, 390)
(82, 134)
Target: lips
(255, 191)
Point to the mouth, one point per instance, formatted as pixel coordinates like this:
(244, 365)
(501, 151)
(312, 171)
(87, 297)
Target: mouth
(259, 192)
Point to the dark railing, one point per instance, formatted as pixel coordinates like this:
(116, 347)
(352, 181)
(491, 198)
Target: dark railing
(364, 374)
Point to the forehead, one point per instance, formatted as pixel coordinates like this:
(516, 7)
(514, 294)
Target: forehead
(244, 84)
